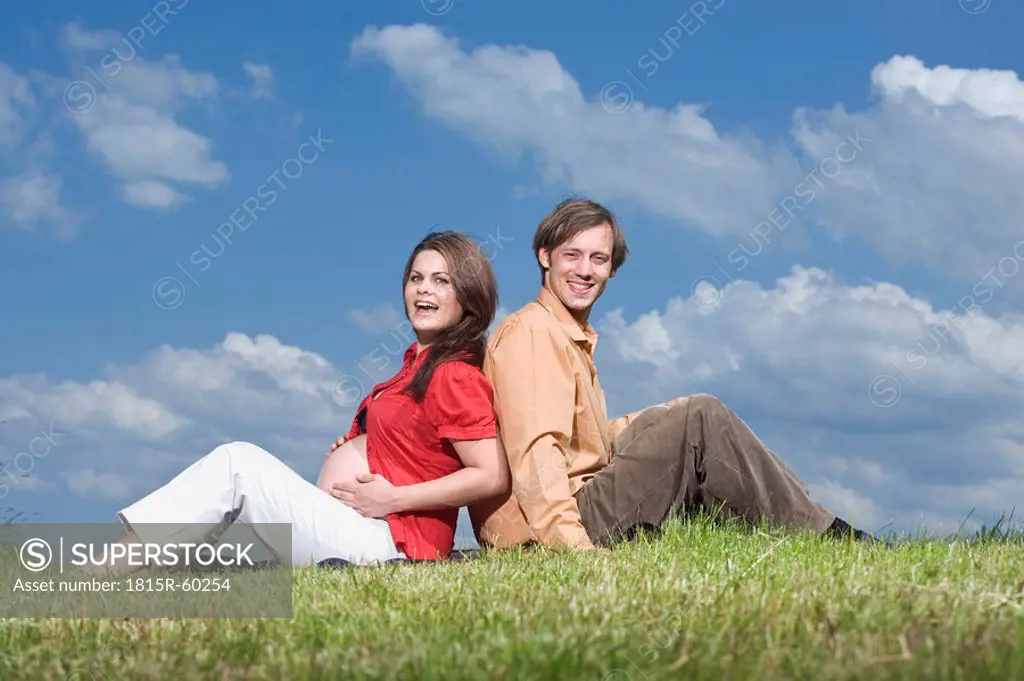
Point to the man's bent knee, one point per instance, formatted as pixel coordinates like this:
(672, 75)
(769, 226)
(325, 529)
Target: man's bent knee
(705, 403)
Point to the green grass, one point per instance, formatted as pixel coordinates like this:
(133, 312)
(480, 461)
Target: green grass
(696, 602)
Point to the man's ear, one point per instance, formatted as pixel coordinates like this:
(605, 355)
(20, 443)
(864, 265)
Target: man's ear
(544, 258)
(612, 274)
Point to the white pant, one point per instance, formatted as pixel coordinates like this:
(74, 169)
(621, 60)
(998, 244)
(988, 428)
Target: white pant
(240, 481)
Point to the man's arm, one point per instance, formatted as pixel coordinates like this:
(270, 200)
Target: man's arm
(617, 425)
(535, 398)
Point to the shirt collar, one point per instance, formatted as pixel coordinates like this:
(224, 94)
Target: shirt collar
(410, 357)
(581, 334)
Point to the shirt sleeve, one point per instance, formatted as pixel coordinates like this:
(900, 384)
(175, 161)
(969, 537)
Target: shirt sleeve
(459, 402)
(535, 398)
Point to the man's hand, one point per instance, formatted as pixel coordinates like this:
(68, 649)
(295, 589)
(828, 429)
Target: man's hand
(337, 443)
(372, 495)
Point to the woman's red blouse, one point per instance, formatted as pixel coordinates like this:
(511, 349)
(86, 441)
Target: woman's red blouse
(408, 443)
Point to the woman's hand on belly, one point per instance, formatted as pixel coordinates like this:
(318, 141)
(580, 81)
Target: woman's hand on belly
(344, 464)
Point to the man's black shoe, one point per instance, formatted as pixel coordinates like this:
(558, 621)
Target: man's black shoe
(840, 529)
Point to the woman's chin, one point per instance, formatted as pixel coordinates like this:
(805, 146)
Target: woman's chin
(426, 334)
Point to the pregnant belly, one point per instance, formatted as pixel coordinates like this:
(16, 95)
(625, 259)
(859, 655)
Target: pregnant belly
(344, 464)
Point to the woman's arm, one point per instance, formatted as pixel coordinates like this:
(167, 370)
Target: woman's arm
(485, 475)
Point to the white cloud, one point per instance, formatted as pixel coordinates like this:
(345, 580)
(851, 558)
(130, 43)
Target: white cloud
(988, 91)
(938, 435)
(152, 193)
(88, 483)
(521, 101)
(97, 404)
(940, 182)
(15, 101)
(34, 197)
(103, 39)
(121, 433)
(262, 79)
(856, 509)
(522, 191)
(381, 319)
(930, 173)
(129, 112)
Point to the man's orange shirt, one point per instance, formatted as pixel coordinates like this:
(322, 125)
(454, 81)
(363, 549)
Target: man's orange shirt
(552, 420)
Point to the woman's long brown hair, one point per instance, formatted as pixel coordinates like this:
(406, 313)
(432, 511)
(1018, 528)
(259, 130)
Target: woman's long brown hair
(476, 289)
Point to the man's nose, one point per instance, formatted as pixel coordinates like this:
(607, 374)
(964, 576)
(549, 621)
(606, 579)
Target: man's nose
(585, 268)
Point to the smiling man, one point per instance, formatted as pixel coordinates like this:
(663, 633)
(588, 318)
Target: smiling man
(581, 480)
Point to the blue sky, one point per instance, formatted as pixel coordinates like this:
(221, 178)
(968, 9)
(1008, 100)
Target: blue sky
(481, 117)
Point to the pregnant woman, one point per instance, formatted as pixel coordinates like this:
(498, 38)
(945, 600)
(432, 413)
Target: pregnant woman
(422, 444)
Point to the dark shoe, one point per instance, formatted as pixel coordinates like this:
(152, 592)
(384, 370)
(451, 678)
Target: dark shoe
(840, 529)
(336, 563)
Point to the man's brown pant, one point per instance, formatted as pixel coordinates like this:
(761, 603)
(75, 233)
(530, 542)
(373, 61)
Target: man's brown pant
(692, 455)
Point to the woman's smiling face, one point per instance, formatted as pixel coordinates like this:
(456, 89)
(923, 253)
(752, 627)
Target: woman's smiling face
(430, 298)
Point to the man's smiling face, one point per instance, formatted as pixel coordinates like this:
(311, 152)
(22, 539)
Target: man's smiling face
(579, 269)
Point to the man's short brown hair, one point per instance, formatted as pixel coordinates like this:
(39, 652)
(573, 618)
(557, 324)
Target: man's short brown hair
(571, 217)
